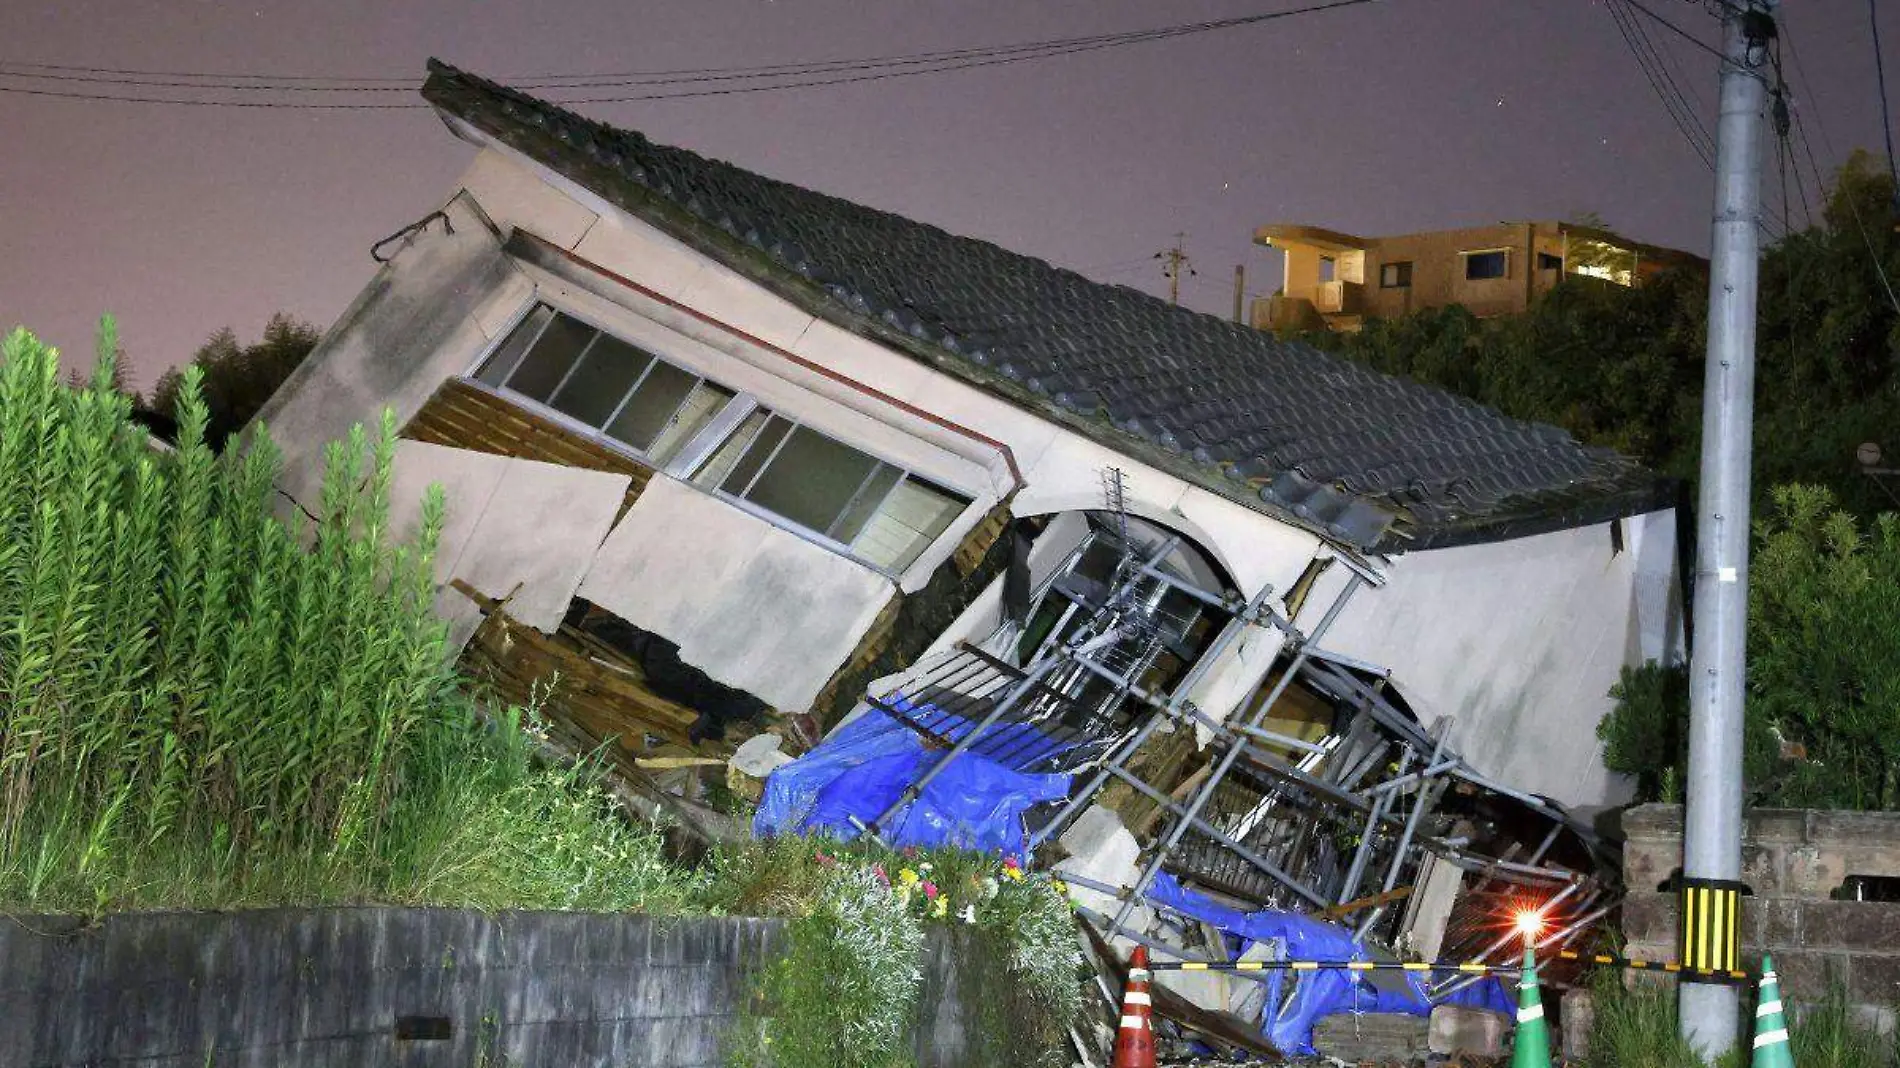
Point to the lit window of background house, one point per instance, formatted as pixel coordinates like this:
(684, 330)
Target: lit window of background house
(1474, 267)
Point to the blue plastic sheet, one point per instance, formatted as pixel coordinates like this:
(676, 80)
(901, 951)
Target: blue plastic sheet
(863, 767)
(1288, 1022)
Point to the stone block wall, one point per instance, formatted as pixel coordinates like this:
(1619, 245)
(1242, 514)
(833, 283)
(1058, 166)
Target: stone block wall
(415, 988)
(1794, 862)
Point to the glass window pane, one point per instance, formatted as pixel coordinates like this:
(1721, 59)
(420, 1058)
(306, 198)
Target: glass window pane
(913, 517)
(548, 362)
(651, 405)
(719, 468)
(508, 353)
(851, 524)
(719, 464)
(606, 372)
(702, 404)
(811, 479)
(1483, 265)
(756, 454)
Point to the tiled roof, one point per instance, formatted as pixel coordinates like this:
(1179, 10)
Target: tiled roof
(1377, 462)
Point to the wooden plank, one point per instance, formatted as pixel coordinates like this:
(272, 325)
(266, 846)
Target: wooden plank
(513, 657)
(461, 415)
(1221, 1026)
(1373, 901)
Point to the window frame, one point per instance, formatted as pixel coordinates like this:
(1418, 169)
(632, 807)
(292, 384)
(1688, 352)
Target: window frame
(1504, 254)
(547, 408)
(704, 443)
(1402, 269)
(823, 537)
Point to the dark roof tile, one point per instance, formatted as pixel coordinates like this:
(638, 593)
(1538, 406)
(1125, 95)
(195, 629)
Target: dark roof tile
(1375, 461)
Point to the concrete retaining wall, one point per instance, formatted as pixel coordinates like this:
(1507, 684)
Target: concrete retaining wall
(1794, 862)
(415, 988)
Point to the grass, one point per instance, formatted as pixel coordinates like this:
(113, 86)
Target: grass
(1636, 1025)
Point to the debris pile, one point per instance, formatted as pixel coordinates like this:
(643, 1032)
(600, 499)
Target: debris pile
(1319, 820)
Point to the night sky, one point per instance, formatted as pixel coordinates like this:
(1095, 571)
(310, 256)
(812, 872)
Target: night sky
(1401, 115)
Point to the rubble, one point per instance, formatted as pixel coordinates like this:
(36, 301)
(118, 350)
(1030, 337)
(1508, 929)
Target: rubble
(1320, 817)
(1472, 1032)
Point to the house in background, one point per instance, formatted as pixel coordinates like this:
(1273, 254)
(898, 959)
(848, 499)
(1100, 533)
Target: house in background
(1337, 281)
(721, 450)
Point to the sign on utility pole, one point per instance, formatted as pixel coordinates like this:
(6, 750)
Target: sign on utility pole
(1712, 833)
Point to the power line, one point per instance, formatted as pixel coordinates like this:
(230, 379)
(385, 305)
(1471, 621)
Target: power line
(1860, 224)
(1880, 74)
(286, 83)
(1675, 29)
(1671, 97)
(1784, 150)
(620, 78)
(1820, 178)
(801, 76)
(1656, 64)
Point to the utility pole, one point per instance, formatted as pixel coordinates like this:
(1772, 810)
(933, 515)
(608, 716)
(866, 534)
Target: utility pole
(1712, 834)
(1240, 289)
(1173, 262)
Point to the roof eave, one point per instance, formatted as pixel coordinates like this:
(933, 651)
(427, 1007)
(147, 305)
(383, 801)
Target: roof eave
(475, 114)
(1644, 494)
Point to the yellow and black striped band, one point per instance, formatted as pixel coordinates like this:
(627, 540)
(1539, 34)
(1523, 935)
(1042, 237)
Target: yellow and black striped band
(1710, 941)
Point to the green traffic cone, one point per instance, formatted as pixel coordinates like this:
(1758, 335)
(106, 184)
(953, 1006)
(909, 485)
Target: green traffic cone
(1531, 1047)
(1771, 1023)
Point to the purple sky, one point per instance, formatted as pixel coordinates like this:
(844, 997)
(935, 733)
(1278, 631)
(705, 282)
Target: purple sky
(1402, 115)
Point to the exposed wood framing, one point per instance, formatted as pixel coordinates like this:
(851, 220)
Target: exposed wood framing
(977, 544)
(691, 830)
(907, 624)
(463, 415)
(584, 682)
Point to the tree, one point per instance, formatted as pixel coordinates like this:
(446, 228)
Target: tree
(1823, 698)
(238, 379)
(1622, 367)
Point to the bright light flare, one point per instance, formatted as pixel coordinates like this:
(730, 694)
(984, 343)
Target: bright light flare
(1529, 923)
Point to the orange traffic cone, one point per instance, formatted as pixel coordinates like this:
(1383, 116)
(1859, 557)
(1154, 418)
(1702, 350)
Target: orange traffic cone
(1135, 1039)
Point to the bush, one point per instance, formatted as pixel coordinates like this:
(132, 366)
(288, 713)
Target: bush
(845, 990)
(1823, 694)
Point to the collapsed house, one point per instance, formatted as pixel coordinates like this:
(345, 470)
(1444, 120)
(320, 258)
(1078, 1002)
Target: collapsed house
(723, 455)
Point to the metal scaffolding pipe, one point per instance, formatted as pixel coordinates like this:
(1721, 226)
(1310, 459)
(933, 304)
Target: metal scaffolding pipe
(1206, 791)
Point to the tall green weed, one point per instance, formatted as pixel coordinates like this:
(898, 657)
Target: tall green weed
(201, 705)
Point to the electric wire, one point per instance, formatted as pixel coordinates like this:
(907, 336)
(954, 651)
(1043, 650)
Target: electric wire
(1799, 115)
(1692, 100)
(403, 82)
(1675, 29)
(1655, 63)
(851, 72)
(1880, 76)
(1657, 69)
(246, 82)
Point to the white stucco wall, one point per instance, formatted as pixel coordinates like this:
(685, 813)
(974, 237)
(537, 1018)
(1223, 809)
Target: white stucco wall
(421, 319)
(750, 604)
(1061, 470)
(1520, 642)
(511, 526)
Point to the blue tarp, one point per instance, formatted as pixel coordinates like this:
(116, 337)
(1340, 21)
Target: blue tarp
(865, 765)
(1288, 1022)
